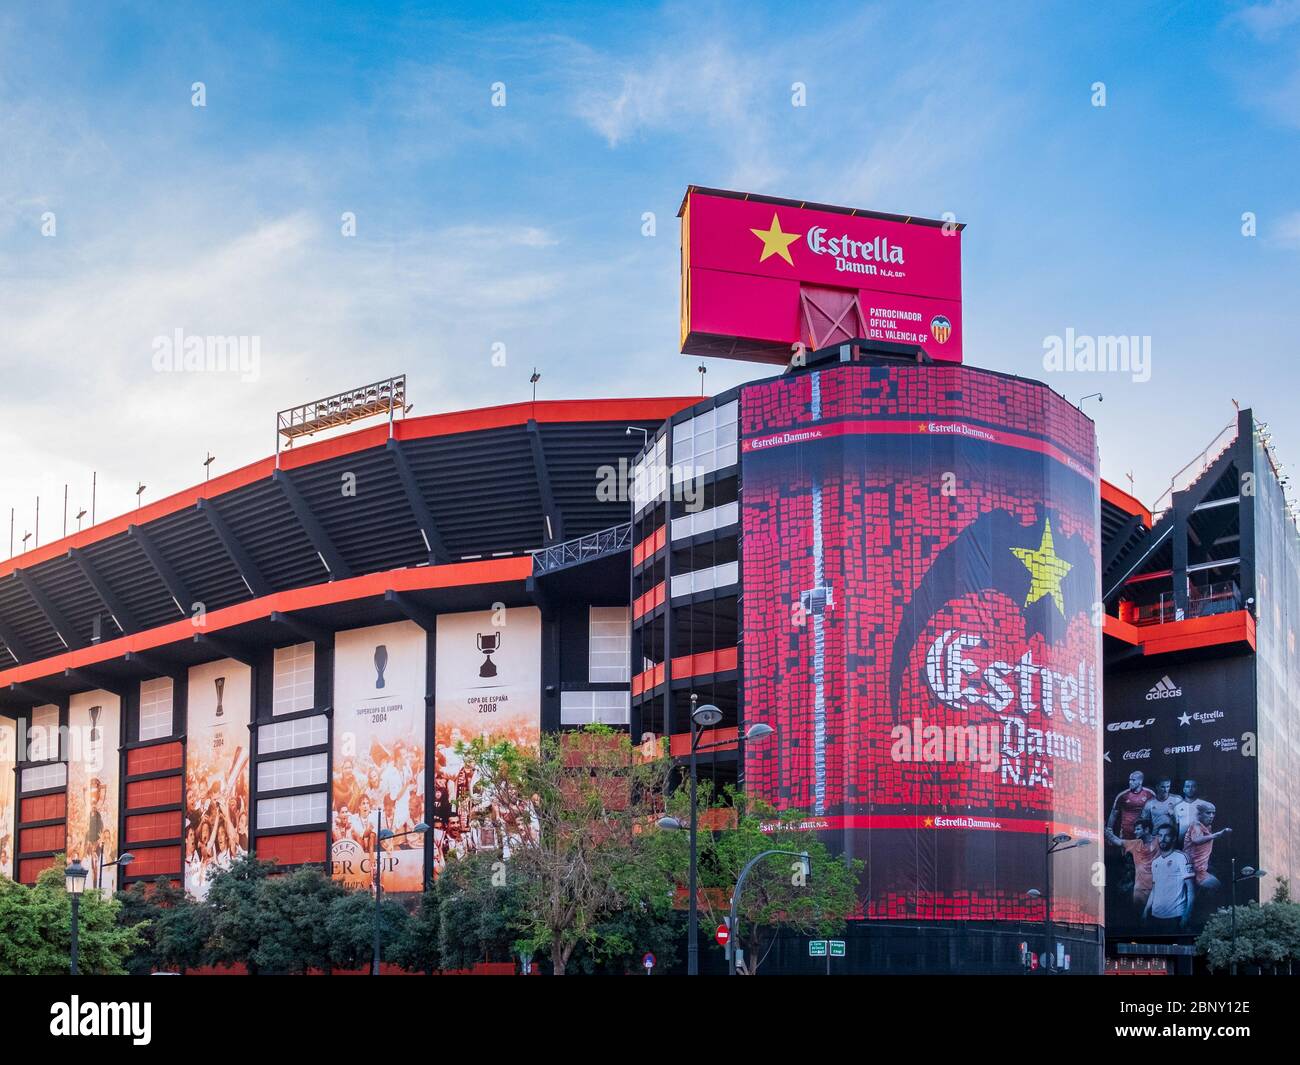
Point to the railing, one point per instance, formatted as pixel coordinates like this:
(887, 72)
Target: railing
(583, 549)
(1221, 597)
(1207, 458)
(706, 520)
(704, 580)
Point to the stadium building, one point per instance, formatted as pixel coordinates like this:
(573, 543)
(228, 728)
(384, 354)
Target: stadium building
(1202, 695)
(897, 561)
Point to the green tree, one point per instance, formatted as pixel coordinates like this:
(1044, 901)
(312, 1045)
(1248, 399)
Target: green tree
(36, 929)
(624, 938)
(417, 948)
(580, 813)
(1268, 938)
(232, 900)
(181, 934)
(777, 896)
(350, 925)
(478, 907)
(292, 922)
(174, 928)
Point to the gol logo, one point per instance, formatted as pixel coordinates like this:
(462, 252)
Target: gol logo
(940, 328)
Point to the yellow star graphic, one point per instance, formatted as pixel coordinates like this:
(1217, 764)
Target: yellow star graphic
(929, 822)
(774, 241)
(1046, 569)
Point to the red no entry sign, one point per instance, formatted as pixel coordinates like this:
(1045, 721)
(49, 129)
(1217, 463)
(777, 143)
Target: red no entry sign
(722, 935)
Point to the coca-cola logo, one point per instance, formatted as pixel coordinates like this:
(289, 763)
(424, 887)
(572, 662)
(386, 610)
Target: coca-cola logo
(1133, 756)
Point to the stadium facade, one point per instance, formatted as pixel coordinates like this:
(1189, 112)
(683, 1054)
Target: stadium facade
(909, 567)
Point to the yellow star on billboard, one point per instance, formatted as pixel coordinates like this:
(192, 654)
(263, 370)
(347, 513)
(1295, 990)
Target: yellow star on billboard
(1046, 569)
(774, 241)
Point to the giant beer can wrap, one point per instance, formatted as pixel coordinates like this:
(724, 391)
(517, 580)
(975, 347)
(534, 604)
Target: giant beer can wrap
(922, 629)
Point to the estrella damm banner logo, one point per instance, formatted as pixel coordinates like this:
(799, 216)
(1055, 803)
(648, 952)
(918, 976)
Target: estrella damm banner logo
(1047, 576)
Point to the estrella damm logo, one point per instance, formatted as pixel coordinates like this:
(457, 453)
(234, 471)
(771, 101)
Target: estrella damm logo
(940, 328)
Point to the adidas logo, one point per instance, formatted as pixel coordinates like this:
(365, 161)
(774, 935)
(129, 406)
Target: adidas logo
(1164, 688)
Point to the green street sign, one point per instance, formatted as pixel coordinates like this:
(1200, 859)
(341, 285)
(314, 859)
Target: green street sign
(837, 948)
(817, 948)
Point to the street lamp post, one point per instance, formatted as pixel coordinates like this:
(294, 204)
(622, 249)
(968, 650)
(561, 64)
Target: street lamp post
(381, 836)
(734, 926)
(74, 881)
(1249, 872)
(702, 717)
(1055, 845)
(122, 859)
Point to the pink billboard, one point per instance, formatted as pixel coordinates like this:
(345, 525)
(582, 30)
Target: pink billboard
(761, 276)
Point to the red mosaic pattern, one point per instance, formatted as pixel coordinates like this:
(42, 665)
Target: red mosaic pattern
(890, 505)
(946, 391)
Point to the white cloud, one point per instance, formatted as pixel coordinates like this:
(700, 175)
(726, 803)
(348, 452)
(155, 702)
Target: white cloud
(328, 312)
(1287, 230)
(1267, 20)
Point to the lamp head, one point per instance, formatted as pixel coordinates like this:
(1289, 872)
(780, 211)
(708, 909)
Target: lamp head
(706, 716)
(74, 877)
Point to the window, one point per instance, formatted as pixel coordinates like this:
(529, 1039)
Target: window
(294, 671)
(300, 772)
(587, 708)
(705, 443)
(292, 735)
(649, 475)
(43, 739)
(291, 810)
(706, 520)
(155, 708)
(40, 777)
(609, 653)
(702, 580)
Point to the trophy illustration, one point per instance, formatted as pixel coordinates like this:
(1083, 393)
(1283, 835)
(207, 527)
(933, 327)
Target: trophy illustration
(95, 711)
(221, 693)
(381, 664)
(489, 644)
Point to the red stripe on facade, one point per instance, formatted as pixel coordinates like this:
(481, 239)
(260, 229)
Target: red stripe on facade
(43, 807)
(154, 759)
(49, 838)
(1125, 502)
(30, 868)
(292, 849)
(418, 578)
(938, 823)
(921, 425)
(430, 425)
(141, 794)
(156, 861)
(145, 828)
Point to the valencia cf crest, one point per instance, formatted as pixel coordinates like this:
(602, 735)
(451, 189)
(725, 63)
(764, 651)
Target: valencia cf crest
(1048, 576)
(941, 328)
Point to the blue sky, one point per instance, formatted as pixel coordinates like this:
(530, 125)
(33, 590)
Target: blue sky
(521, 225)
